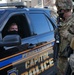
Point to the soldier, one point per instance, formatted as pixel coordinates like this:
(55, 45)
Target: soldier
(66, 31)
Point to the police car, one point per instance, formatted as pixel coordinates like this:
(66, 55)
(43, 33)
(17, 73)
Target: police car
(31, 51)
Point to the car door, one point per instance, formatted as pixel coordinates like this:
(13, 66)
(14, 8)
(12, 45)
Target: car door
(14, 59)
(44, 32)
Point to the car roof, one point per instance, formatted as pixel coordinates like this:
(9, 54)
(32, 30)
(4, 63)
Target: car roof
(18, 6)
(26, 9)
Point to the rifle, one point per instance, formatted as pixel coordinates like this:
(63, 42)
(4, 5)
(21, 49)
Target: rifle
(57, 39)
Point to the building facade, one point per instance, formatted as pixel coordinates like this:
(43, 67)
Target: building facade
(32, 3)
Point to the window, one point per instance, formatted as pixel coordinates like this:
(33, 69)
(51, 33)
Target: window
(39, 2)
(50, 25)
(40, 24)
(21, 21)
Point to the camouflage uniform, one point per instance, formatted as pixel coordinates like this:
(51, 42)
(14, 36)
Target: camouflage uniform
(66, 33)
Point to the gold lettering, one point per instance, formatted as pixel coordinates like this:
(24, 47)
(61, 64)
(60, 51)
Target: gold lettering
(51, 62)
(45, 67)
(36, 60)
(27, 64)
(31, 62)
(39, 67)
(42, 67)
(47, 64)
(32, 71)
(41, 57)
(37, 70)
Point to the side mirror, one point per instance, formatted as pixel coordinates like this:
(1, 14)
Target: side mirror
(10, 40)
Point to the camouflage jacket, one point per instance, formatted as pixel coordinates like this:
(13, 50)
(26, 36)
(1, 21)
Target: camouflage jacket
(66, 32)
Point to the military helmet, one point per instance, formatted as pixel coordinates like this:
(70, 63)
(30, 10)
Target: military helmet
(64, 4)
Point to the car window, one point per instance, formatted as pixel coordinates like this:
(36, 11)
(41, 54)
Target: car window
(50, 24)
(40, 24)
(21, 21)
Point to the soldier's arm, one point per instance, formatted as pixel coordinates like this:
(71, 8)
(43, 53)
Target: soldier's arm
(70, 36)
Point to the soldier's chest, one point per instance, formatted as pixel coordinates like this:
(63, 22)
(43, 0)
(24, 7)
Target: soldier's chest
(63, 29)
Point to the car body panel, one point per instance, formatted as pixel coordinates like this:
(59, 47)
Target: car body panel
(35, 54)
